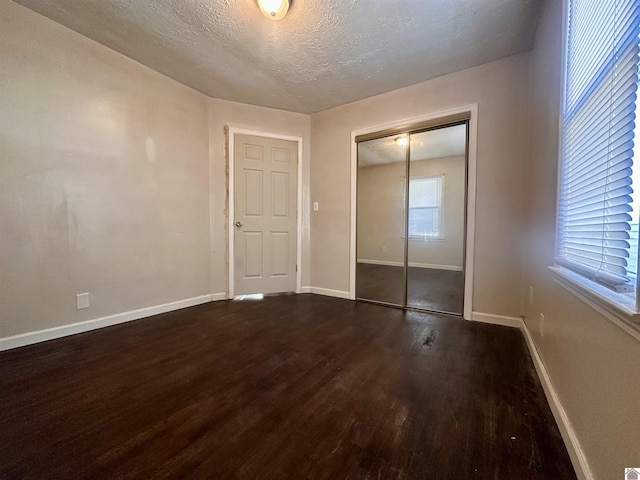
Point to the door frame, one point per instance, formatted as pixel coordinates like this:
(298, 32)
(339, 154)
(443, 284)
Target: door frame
(232, 132)
(472, 154)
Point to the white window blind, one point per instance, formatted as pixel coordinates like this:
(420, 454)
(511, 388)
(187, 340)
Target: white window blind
(595, 198)
(425, 203)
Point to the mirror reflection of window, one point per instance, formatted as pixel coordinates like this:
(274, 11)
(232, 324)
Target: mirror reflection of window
(425, 207)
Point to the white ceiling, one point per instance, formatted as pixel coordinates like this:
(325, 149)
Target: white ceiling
(324, 53)
(440, 143)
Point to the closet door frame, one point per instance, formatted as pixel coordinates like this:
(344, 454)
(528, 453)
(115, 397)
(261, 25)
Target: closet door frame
(414, 125)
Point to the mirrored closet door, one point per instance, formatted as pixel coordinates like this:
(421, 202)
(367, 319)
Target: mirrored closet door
(381, 201)
(411, 216)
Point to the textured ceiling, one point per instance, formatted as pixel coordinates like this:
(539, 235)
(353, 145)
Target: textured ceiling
(324, 53)
(440, 143)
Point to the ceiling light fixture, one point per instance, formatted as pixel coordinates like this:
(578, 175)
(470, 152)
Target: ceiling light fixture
(402, 141)
(274, 9)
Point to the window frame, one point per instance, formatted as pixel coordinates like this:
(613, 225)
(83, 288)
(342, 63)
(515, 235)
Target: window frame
(617, 307)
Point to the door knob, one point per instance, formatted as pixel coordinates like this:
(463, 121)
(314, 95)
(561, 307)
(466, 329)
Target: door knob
(238, 224)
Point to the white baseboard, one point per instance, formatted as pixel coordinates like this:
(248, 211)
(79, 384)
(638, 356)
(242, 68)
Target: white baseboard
(29, 338)
(578, 458)
(305, 290)
(380, 262)
(330, 293)
(515, 322)
(435, 266)
(411, 264)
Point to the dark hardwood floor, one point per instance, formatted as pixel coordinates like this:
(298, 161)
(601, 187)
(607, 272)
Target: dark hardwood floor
(290, 387)
(427, 288)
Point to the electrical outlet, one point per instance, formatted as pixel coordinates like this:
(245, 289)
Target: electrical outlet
(82, 301)
(384, 249)
(315, 206)
(531, 295)
(541, 325)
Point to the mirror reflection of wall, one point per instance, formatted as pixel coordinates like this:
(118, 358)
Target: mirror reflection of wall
(425, 216)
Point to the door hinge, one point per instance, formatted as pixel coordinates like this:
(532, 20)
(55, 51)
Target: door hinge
(296, 268)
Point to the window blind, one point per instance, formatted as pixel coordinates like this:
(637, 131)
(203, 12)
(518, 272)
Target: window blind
(598, 122)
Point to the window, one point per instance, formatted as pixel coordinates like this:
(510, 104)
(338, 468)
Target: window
(597, 227)
(425, 207)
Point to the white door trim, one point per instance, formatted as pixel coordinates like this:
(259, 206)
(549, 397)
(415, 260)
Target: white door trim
(233, 131)
(472, 109)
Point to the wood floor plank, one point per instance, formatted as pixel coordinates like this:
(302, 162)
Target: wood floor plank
(303, 387)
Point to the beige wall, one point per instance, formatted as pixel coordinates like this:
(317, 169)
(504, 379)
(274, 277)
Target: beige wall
(381, 213)
(103, 179)
(592, 363)
(112, 179)
(381, 207)
(501, 91)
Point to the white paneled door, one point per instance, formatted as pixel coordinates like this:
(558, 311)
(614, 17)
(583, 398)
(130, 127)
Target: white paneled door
(265, 215)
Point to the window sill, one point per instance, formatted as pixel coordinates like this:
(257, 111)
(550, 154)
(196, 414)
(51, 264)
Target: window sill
(618, 308)
(420, 238)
